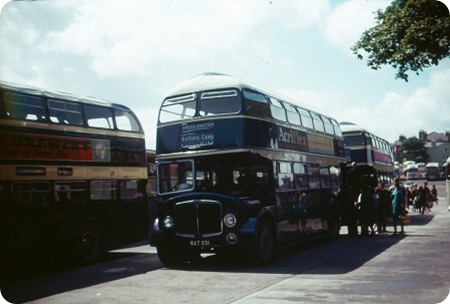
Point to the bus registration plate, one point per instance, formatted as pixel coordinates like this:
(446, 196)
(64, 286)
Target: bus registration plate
(199, 243)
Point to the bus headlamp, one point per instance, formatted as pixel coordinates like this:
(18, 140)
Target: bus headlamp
(229, 220)
(168, 222)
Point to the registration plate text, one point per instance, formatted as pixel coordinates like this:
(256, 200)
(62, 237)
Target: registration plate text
(199, 243)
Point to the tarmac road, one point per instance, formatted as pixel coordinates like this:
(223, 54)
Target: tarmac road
(409, 268)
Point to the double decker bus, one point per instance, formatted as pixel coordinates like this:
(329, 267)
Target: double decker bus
(369, 156)
(239, 168)
(73, 174)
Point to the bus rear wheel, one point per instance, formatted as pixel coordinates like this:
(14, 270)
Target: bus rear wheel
(88, 243)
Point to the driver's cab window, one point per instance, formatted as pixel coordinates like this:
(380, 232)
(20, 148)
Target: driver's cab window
(251, 176)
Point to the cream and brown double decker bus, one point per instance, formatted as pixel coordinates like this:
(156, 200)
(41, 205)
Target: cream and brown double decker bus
(73, 174)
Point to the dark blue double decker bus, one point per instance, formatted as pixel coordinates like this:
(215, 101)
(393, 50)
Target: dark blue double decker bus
(369, 156)
(239, 168)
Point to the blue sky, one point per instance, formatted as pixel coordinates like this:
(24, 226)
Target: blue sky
(134, 51)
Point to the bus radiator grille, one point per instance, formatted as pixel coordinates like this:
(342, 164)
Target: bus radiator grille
(198, 218)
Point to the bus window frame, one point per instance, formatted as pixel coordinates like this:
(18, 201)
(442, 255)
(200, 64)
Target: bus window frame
(105, 122)
(256, 103)
(293, 116)
(133, 125)
(285, 176)
(313, 179)
(217, 95)
(337, 128)
(327, 122)
(77, 191)
(30, 201)
(320, 125)
(300, 171)
(177, 187)
(306, 118)
(59, 115)
(30, 111)
(98, 193)
(190, 98)
(277, 109)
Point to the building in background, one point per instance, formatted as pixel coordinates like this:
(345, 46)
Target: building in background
(437, 146)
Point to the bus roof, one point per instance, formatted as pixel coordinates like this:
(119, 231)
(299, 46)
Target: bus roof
(206, 81)
(211, 81)
(350, 127)
(57, 94)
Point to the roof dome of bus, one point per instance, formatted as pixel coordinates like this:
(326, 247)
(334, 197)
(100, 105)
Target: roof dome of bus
(205, 81)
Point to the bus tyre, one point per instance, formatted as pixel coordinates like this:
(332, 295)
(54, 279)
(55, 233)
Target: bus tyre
(88, 243)
(168, 256)
(262, 252)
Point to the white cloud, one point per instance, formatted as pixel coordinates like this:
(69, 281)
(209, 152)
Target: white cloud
(406, 112)
(131, 38)
(349, 20)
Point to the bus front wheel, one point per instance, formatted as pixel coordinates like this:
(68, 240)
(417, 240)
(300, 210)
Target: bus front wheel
(169, 256)
(262, 252)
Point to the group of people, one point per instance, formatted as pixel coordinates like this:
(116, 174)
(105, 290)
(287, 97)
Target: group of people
(421, 198)
(374, 206)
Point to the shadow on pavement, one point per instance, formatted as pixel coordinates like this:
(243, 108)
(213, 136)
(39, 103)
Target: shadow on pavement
(37, 279)
(316, 257)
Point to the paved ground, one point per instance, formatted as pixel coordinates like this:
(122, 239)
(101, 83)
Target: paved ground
(410, 268)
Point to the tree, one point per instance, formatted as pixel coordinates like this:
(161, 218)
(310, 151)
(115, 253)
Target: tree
(409, 35)
(414, 149)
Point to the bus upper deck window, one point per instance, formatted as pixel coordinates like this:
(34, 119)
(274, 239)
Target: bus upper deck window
(354, 139)
(292, 115)
(328, 125)
(24, 107)
(337, 129)
(219, 102)
(277, 109)
(99, 117)
(256, 104)
(318, 123)
(65, 112)
(177, 108)
(306, 118)
(126, 122)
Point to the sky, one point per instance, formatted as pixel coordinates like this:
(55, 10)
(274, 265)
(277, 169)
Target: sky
(134, 51)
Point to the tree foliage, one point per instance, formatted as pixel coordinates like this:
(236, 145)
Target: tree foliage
(414, 149)
(409, 35)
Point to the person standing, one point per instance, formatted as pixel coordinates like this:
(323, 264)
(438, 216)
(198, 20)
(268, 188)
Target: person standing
(434, 194)
(398, 204)
(383, 208)
(424, 194)
(347, 203)
(365, 203)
